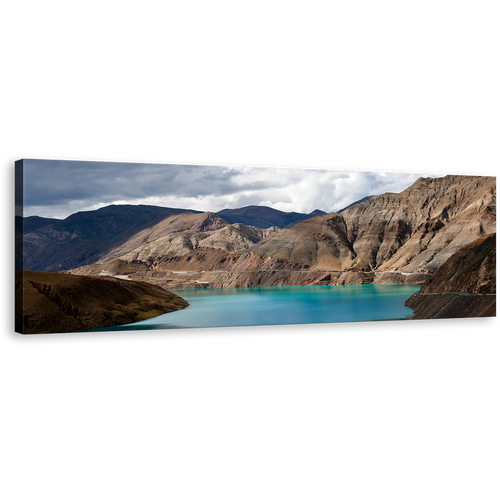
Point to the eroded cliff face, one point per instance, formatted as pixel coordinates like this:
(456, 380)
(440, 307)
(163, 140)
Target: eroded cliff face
(321, 242)
(175, 234)
(453, 211)
(412, 231)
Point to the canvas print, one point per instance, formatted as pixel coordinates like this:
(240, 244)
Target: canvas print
(104, 246)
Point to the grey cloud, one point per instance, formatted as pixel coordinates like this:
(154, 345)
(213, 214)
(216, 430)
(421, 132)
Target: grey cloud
(54, 182)
(49, 182)
(59, 188)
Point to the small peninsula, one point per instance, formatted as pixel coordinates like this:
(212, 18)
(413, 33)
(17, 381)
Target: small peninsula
(56, 302)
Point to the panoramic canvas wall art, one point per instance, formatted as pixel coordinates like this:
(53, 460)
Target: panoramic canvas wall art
(103, 246)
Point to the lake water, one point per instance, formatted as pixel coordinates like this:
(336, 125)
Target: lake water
(218, 307)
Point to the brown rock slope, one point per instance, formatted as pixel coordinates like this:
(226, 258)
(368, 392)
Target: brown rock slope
(412, 231)
(52, 302)
(464, 286)
(179, 234)
(83, 237)
(321, 242)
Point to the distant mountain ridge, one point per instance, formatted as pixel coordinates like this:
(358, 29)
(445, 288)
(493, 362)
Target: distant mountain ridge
(84, 237)
(412, 232)
(33, 222)
(265, 217)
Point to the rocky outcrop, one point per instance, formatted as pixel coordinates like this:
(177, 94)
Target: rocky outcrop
(207, 222)
(464, 286)
(54, 302)
(237, 237)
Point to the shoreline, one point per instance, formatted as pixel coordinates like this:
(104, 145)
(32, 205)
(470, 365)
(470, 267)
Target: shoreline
(291, 286)
(176, 280)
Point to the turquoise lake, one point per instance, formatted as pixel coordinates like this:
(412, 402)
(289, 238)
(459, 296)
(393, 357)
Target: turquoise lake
(219, 307)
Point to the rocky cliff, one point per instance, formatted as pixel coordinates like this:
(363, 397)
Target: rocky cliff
(464, 286)
(412, 231)
(54, 302)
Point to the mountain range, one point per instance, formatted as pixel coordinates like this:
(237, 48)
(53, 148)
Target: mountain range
(80, 239)
(411, 233)
(265, 217)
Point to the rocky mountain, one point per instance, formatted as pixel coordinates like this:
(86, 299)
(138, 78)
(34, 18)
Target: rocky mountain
(55, 302)
(86, 237)
(464, 286)
(413, 231)
(179, 234)
(391, 238)
(265, 217)
(82, 237)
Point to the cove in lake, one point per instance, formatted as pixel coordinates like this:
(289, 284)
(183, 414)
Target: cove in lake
(220, 307)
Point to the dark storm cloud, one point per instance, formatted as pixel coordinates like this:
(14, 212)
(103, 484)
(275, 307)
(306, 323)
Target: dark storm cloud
(54, 182)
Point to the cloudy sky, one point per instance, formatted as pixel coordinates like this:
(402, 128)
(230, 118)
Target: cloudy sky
(55, 188)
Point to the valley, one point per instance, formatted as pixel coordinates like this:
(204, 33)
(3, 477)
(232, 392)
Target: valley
(392, 238)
